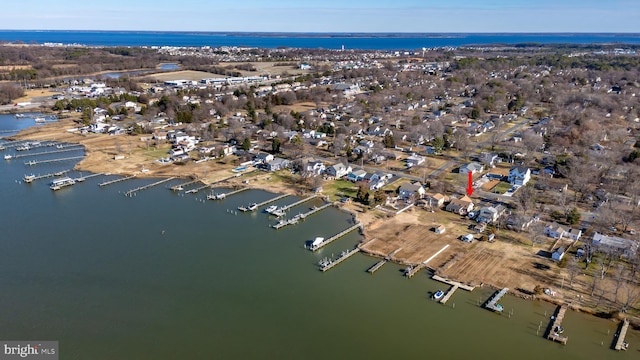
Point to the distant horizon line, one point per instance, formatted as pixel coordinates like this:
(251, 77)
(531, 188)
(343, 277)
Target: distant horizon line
(330, 33)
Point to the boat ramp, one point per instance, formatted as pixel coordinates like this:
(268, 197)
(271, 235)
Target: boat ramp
(492, 303)
(327, 264)
(31, 178)
(315, 247)
(555, 328)
(116, 180)
(34, 162)
(620, 344)
(133, 191)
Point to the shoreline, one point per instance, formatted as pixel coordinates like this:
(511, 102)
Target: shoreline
(89, 164)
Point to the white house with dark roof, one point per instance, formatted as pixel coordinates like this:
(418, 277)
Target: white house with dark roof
(519, 175)
(338, 170)
(472, 167)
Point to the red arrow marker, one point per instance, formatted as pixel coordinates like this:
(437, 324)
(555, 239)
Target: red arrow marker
(470, 184)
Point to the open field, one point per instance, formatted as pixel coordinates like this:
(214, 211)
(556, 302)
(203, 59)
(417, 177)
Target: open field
(29, 95)
(184, 75)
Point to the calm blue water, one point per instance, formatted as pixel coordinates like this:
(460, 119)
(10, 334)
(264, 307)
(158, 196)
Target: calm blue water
(301, 40)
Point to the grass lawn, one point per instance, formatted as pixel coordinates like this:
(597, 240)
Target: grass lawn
(502, 187)
(339, 188)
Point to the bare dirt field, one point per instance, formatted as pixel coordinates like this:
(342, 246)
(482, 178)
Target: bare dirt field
(29, 95)
(184, 75)
(488, 186)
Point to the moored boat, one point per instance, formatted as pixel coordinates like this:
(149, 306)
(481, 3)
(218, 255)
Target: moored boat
(271, 209)
(438, 295)
(29, 178)
(8, 156)
(62, 182)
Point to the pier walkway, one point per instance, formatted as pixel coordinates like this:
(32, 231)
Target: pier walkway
(83, 178)
(492, 304)
(554, 331)
(224, 195)
(379, 264)
(133, 191)
(622, 333)
(453, 283)
(449, 293)
(271, 200)
(34, 162)
(116, 180)
(334, 237)
(18, 156)
(287, 207)
(329, 264)
(30, 178)
(181, 186)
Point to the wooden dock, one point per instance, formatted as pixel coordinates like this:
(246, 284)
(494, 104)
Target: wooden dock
(83, 178)
(116, 180)
(556, 324)
(620, 344)
(272, 200)
(449, 293)
(181, 186)
(30, 178)
(34, 162)
(224, 195)
(315, 210)
(133, 191)
(18, 156)
(492, 303)
(336, 236)
(412, 270)
(453, 283)
(287, 207)
(376, 266)
(329, 264)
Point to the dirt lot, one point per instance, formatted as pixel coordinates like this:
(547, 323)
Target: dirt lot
(488, 186)
(184, 75)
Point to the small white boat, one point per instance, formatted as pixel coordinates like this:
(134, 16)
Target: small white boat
(271, 209)
(29, 178)
(40, 120)
(252, 207)
(8, 156)
(438, 295)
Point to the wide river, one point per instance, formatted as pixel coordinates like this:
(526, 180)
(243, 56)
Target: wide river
(168, 275)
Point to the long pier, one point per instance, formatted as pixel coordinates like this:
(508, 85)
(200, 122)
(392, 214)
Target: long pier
(132, 191)
(83, 178)
(554, 331)
(30, 178)
(181, 186)
(224, 195)
(620, 344)
(18, 156)
(34, 162)
(492, 304)
(329, 264)
(336, 236)
(116, 180)
(272, 200)
(287, 207)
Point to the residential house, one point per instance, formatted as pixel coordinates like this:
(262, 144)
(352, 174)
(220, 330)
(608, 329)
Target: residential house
(435, 200)
(573, 234)
(472, 167)
(262, 158)
(625, 247)
(558, 254)
(488, 214)
(489, 159)
(519, 175)
(415, 160)
(315, 167)
(460, 206)
(356, 175)
(518, 222)
(554, 231)
(408, 190)
(277, 164)
(338, 170)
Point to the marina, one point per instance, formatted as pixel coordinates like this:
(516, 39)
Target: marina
(133, 191)
(31, 177)
(114, 181)
(327, 264)
(492, 303)
(555, 330)
(620, 343)
(62, 182)
(317, 246)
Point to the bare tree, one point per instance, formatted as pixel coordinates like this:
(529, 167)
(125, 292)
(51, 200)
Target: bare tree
(572, 269)
(526, 198)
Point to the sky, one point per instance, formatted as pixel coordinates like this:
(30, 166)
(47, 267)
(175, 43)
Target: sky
(425, 16)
